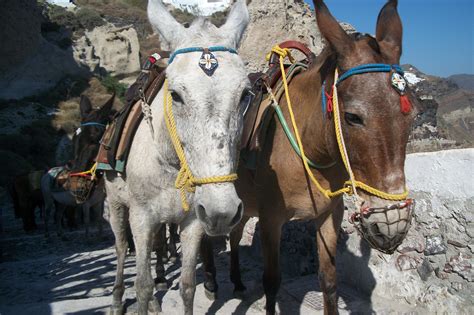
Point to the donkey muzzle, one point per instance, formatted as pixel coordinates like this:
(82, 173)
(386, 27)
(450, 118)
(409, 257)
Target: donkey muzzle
(384, 228)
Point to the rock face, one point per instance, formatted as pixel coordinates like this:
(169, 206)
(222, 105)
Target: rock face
(108, 49)
(446, 117)
(29, 63)
(275, 21)
(18, 17)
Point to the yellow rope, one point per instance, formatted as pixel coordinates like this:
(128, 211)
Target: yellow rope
(350, 185)
(185, 181)
(91, 171)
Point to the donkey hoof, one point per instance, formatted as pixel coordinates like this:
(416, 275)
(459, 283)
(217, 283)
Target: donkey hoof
(116, 310)
(154, 307)
(161, 286)
(211, 295)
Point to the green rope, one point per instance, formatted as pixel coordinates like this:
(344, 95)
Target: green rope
(292, 140)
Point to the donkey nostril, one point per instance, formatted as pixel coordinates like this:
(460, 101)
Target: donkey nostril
(201, 213)
(238, 215)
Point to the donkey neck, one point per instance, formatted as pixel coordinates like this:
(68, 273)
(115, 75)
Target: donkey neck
(315, 128)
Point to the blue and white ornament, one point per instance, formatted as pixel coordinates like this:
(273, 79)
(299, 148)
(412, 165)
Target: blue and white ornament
(399, 83)
(208, 62)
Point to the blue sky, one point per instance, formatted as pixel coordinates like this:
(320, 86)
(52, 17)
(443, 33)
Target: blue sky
(438, 35)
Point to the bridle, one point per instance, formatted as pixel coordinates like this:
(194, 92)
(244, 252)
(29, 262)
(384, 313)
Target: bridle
(185, 181)
(397, 75)
(82, 183)
(350, 186)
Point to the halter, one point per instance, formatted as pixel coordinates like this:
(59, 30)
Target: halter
(397, 81)
(208, 62)
(199, 49)
(185, 181)
(350, 186)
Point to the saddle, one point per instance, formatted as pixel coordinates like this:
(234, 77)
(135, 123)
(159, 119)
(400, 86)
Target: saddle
(260, 111)
(117, 139)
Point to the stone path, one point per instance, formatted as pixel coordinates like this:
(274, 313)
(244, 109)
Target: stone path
(75, 276)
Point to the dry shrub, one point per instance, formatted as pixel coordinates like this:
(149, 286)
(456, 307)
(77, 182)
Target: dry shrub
(68, 117)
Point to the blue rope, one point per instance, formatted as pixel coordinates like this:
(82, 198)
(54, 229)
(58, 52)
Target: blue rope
(367, 68)
(324, 99)
(93, 124)
(199, 49)
(371, 67)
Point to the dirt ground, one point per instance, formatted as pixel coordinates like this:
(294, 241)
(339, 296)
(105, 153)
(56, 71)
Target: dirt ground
(76, 276)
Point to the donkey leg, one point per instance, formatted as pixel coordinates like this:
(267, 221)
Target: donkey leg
(271, 235)
(59, 218)
(48, 204)
(100, 219)
(207, 257)
(327, 243)
(143, 236)
(160, 250)
(191, 236)
(86, 210)
(119, 221)
(173, 228)
(235, 277)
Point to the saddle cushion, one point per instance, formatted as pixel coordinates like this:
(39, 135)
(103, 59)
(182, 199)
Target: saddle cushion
(118, 137)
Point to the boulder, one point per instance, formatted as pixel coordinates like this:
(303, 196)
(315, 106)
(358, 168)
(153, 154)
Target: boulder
(108, 49)
(275, 21)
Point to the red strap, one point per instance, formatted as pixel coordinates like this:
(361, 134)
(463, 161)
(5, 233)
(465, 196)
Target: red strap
(329, 100)
(405, 104)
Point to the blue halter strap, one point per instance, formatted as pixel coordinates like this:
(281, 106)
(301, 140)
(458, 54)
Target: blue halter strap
(92, 123)
(199, 49)
(367, 68)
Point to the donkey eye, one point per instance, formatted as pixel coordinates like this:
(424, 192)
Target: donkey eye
(353, 119)
(176, 97)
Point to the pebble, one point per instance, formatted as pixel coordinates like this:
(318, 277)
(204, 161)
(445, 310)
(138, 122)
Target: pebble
(435, 245)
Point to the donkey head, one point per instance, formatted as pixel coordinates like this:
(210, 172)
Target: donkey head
(87, 137)
(375, 128)
(208, 108)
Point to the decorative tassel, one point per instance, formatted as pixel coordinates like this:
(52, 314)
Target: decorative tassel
(405, 104)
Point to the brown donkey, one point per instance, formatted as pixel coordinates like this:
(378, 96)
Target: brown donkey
(376, 118)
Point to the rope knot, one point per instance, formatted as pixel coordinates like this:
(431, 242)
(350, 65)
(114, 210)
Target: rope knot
(282, 52)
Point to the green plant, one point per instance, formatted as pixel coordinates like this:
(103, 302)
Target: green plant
(89, 18)
(114, 86)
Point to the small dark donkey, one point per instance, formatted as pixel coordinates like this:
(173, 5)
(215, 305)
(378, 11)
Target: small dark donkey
(59, 185)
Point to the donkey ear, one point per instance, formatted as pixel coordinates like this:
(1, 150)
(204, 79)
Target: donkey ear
(163, 22)
(105, 109)
(236, 23)
(85, 106)
(331, 30)
(389, 32)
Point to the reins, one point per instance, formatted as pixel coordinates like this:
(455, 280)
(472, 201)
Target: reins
(350, 186)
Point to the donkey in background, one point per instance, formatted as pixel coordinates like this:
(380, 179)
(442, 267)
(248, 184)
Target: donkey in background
(85, 146)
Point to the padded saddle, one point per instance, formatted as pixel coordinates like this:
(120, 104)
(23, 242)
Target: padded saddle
(117, 139)
(260, 111)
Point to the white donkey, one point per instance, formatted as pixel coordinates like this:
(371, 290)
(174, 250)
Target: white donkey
(205, 93)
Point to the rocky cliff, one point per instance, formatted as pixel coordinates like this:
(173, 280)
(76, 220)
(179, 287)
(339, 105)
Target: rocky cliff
(446, 117)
